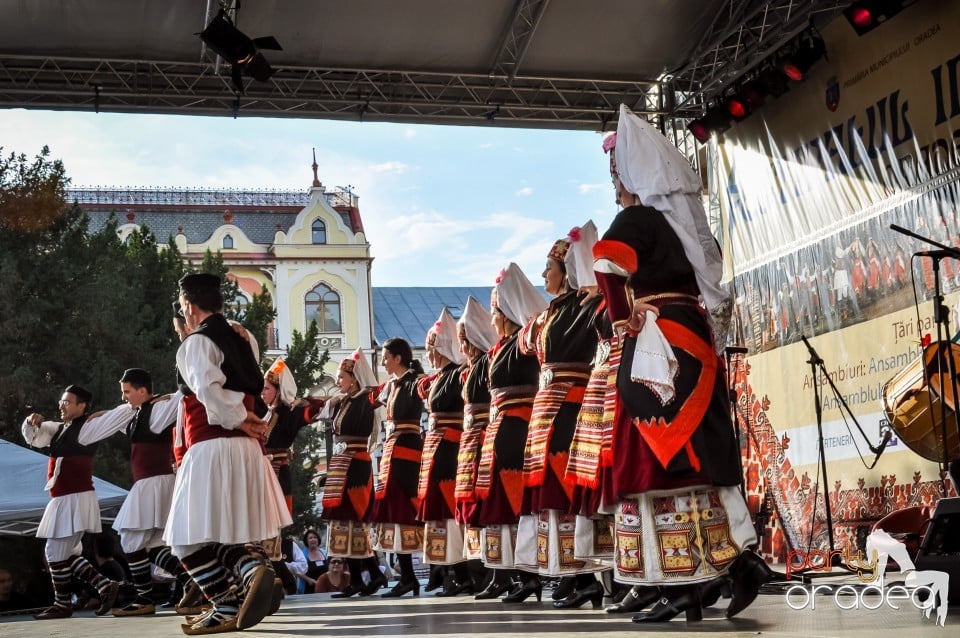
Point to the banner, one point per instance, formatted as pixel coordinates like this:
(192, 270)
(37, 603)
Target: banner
(809, 186)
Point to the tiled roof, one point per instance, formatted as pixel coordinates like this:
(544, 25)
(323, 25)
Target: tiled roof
(259, 226)
(410, 312)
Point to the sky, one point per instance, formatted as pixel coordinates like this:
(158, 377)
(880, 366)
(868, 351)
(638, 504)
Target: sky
(441, 205)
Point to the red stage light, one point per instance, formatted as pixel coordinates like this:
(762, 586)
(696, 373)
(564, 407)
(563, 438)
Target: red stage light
(792, 71)
(699, 131)
(860, 17)
(736, 108)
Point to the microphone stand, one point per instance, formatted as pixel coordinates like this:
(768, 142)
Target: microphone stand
(941, 316)
(817, 365)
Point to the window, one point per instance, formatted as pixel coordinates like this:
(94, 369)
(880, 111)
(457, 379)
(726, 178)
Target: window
(323, 306)
(318, 232)
(227, 241)
(240, 303)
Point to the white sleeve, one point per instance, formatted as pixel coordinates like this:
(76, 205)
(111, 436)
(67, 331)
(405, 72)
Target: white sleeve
(39, 437)
(298, 562)
(109, 423)
(165, 412)
(199, 360)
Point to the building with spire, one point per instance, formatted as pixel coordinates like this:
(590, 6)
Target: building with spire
(308, 249)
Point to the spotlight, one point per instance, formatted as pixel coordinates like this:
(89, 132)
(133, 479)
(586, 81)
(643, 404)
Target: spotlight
(772, 82)
(242, 52)
(716, 120)
(811, 48)
(748, 97)
(868, 15)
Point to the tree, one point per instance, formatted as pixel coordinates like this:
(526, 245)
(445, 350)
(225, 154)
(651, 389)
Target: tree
(256, 315)
(82, 306)
(305, 361)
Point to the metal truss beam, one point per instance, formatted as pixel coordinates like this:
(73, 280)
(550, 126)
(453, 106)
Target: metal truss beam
(516, 38)
(741, 38)
(148, 86)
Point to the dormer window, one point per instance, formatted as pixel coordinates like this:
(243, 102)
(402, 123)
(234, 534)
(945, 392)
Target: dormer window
(228, 241)
(318, 232)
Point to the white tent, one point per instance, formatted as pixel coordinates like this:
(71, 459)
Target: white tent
(23, 473)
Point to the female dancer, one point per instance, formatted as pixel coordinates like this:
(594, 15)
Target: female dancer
(443, 393)
(674, 451)
(477, 336)
(395, 509)
(513, 384)
(348, 491)
(564, 340)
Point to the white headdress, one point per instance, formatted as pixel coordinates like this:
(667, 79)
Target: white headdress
(444, 337)
(579, 259)
(653, 169)
(477, 326)
(286, 386)
(357, 365)
(516, 297)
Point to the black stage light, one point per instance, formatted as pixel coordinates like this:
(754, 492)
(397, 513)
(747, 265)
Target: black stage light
(242, 52)
(747, 98)
(773, 82)
(868, 15)
(810, 49)
(716, 120)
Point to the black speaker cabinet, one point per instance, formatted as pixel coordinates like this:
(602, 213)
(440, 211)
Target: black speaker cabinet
(940, 547)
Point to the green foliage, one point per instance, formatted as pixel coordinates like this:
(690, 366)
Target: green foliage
(82, 306)
(257, 314)
(306, 361)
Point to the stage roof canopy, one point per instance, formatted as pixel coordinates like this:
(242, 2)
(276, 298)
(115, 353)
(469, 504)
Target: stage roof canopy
(532, 63)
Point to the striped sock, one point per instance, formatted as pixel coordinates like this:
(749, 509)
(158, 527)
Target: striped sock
(139, 562)
(84, 571)
(61, 576)
(165, 560)
(239, 560)
(213, 579)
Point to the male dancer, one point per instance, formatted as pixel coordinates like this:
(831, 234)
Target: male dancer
(73, 508)
(221, 499)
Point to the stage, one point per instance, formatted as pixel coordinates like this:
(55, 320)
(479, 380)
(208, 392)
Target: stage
(426, 615)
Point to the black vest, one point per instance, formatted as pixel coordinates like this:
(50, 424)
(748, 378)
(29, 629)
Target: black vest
(139, 429)
(66, 442)
(239, 366)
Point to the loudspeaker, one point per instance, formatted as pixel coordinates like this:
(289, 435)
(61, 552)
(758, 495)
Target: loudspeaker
(940, 547)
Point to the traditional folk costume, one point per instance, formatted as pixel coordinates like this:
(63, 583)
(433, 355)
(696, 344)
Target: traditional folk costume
(73, 508)
(680, 519)
(475, 328)
(225, 495)
(348, 490)
(564, 340)
(396, 527)
(144, 513)
(513, 384)
(285, 422)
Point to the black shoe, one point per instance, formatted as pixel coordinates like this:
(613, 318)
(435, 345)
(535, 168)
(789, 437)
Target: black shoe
(435, 581)
(108, 598)
(454, 588)
(637, 598)
(374, 585)
(748, 574)
(592, 592)
(521, 592)
(348, 591)
(402, 588)
(56, 612)
(711, 592)
(666, 608)
(494, 590)
(566, 586)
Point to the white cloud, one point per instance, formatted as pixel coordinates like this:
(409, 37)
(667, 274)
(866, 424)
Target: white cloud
(485, 145)
(585, 189)
(409, 132)
(392, 166)
(526, 191)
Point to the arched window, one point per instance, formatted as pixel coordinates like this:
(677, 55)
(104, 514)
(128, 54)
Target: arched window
(323, 306)
(318, 232)
(227, 241)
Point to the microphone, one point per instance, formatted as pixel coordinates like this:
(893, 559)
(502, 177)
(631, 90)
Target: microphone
(884, 441)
